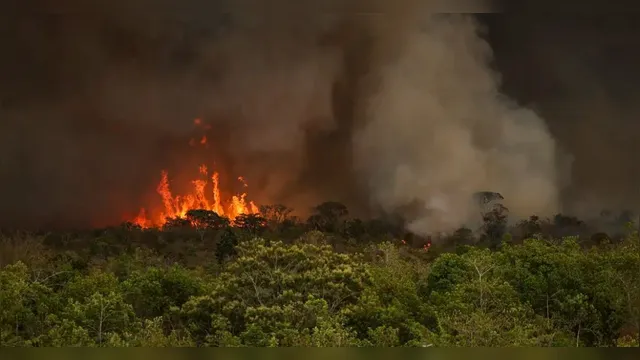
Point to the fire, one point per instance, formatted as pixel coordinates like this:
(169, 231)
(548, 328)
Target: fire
(177, 206)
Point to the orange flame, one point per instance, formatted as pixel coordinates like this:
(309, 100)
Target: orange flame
(177, 206)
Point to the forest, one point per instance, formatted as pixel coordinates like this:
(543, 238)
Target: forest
(270, 279)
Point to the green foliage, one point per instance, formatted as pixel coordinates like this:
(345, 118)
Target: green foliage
(154, 291)
(270, 280)
(479, 308)
(226, 247)
(569, 287)
(269, 293)
(392, 307)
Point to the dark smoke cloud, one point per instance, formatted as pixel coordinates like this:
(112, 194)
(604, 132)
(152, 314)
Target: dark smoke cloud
(92, 95)
(98, 96)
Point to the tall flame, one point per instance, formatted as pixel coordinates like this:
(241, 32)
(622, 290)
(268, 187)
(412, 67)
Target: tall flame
(177, 206)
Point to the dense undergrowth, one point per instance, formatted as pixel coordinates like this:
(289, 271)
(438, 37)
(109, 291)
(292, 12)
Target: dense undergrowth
(273, 280)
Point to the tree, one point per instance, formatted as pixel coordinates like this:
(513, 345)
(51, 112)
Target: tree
(260, 299)
(564, 285)
(476, 307)
(153, 291)
(252, 223)
(151, 333)
(622, 268)
(64, 333)
(176, 223)
(391, 310)
(101, 314)
(530, 227)
(226, 245)
(96, 303)
(355, 228)
(564, 226)
(484, 198)
(14, 284)
(487, 201)
(495, 225)
(275, 215)
(328, 217)
(206, 219)
(462, 236)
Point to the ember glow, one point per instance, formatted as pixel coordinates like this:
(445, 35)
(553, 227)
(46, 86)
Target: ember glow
(205, 195)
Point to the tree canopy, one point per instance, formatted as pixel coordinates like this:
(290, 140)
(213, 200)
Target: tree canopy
(330, 280)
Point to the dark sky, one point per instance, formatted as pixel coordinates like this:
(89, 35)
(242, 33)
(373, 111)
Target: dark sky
(581, 72)
(70, 149)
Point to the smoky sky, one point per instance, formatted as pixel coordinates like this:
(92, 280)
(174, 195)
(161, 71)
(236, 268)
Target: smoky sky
(579, 70)
(96, 97)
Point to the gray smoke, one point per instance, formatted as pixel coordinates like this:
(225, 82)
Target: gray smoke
(437, 129)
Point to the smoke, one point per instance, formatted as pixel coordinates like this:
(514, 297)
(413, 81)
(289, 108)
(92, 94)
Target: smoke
(97, 97)
(436, 130)
(92, 100)
(373, 104)
(580, 72)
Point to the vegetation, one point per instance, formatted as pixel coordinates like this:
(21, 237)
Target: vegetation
(274, 280)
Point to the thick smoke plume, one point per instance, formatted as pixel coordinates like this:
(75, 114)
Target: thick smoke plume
(436, 130)
(379, 105)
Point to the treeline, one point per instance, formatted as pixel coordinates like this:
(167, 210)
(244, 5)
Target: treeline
(329, 280)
